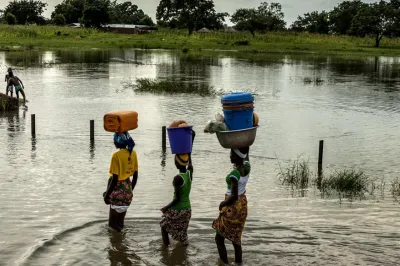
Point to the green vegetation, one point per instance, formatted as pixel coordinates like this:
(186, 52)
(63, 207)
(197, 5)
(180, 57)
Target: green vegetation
(191, 15)
(46, 37)
(170, 87)
(265, 17)
(395, 189)
(296, 174)
(350, 182)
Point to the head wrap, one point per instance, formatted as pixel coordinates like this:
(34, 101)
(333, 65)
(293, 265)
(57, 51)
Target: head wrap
(124, 139)
(182, 159)
(240, 154)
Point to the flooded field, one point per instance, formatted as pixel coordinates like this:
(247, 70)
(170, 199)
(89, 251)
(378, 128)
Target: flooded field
(51, 187)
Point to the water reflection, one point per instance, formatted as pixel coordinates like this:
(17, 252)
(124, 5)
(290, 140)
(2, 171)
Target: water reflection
(92, 148)
(178, 255)
(119, 252)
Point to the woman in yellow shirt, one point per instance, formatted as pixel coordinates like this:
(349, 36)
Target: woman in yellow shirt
(124, 164)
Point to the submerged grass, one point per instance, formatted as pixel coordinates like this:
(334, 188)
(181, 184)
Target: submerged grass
(296, 174)
(349, 182)
(172, 87)
(53, 37)
(395, 189)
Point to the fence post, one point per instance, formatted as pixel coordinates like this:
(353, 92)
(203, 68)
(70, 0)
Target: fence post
(164, 138)
(91, 130)
(320, 160)
(33, 125)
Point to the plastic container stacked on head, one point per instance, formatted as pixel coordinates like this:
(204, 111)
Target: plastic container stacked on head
(238, 108)
(120, 121)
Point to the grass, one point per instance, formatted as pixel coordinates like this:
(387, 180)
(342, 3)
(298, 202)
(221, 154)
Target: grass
(395, 189)
(53, 37)
(296, 174)
(170, 87)
(349, 182)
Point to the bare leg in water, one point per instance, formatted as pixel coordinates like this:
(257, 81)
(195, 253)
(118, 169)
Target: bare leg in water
(116, 220)
(165, 237)
(220, 241)
(23, 94)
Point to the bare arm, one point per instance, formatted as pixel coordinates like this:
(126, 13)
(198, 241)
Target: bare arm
(110, 189)
(134, 179)
(20, 81)
(178, 182)
(234, 197)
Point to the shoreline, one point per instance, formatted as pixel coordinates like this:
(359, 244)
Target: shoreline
(40, 38)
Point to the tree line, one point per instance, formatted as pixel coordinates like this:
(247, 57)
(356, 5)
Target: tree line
(90, 13)
(354, 18)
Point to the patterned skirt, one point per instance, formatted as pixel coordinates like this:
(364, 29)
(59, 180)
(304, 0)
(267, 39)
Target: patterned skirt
(176, 224)
(231, 220)
(122, 193)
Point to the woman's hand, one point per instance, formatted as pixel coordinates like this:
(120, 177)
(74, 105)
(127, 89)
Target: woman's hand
(106, 199)
(222, 205)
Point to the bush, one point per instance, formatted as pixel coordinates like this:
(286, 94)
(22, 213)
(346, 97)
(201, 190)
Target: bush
(59, 20)
(11, 19)
(241, 43)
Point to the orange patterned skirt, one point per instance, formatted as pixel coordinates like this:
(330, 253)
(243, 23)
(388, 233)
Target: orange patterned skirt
(231, 220)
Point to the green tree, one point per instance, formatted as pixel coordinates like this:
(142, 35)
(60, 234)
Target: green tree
(314, 22)
(192, 15)
(266, 17)
(72, 10)
(59, 20)
(146, 20)
(377, 19)
(127, 13)
(341, 17)
(96, 13)
(11, 19)
(26, 11)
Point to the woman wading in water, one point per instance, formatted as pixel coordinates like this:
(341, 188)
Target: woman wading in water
(233, 210)
(124, 164)
(176, 215)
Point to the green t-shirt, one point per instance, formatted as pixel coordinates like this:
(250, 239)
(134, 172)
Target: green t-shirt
(184, 193)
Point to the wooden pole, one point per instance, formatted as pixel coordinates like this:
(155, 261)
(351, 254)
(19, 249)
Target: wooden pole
(164, 138)
(33, 125)
(91, 130)
(320, 158)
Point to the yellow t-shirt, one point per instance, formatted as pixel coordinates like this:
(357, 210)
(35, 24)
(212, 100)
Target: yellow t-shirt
(121, 166)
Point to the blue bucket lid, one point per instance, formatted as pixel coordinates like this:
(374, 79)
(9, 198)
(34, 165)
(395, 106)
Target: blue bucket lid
(237, 97)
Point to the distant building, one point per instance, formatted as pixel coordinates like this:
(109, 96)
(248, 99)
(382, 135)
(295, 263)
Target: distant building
(204, 30)
(74, 25)
(128, 28)
(121, 28)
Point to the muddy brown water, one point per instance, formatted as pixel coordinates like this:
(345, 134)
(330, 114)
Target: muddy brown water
(52, 211)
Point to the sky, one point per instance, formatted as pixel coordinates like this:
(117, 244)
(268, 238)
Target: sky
(291, 8)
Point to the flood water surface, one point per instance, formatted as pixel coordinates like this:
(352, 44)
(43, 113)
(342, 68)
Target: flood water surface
(51, 187)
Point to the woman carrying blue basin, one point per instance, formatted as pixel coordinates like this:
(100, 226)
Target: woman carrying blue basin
(233, 210)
